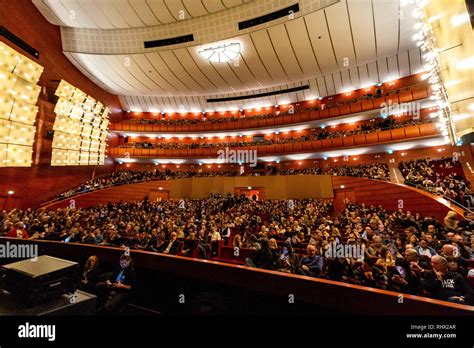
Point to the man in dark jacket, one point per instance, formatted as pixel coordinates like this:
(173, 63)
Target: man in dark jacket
(446, 285)
(173, 246)
(311, 264)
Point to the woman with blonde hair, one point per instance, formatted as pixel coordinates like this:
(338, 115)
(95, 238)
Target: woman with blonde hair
(237, 242)
(450, 222)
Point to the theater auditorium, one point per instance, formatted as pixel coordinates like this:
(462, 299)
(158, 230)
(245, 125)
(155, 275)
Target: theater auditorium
(245, 158)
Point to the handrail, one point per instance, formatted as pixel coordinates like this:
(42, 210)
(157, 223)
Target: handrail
(399, 134)
(428, 189)
(330, 135)
(58, 199)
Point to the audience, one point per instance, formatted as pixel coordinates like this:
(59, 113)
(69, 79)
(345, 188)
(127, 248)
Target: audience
(374, 125)
(124, 177)
(374, 171)
(365, 245)
(444, 176)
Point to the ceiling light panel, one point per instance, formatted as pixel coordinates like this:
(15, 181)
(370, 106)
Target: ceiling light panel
(80, 128)
(19, 92)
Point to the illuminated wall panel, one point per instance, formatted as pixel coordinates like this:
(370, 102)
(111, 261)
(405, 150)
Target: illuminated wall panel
(19, 93)
(80, 128)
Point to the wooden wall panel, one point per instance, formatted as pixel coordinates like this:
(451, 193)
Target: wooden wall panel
(276, 187)
(132, 192)
(390, 196)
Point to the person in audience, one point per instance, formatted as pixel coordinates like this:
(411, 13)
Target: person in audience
(368, 274)
(215, 239)
(225, 233)
(402, 278)
(273, 244)
(117, 289)
(453, 266)
(263, 258)
(287, 261)
(444, 284)
(173, 246)
(90, 275)
(463, 250)
(311, 264)
(450, 222)
(237, 242)
(424, 249)
(274, 250)
(374, 250)
(190, 244)
(157, 243)
(467, 223)
(432, 241)
(253, 242)
(18, 231)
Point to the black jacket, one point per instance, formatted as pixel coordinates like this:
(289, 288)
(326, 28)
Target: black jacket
(263, 259)
(453, 284)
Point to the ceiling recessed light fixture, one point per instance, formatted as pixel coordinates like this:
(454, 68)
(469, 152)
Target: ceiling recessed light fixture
(221, 54)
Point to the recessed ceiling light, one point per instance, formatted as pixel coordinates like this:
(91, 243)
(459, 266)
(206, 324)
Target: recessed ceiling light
(221, 54)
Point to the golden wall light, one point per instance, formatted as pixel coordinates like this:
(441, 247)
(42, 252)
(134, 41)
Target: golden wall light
(82, 120)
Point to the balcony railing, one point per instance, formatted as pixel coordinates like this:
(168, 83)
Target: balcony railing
(400, 134)
(406, 96)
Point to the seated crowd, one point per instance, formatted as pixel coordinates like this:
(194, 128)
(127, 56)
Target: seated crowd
(124, 177)
(364, 245)
(319, 133)
(378, 171)
(444, 176)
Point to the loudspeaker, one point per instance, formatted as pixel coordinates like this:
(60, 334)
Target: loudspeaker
(34, 281)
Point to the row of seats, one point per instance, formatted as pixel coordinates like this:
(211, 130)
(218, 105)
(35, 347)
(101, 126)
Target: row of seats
(423, 130)
(366, 105)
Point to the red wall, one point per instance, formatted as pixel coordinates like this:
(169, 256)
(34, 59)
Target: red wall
(41, 182)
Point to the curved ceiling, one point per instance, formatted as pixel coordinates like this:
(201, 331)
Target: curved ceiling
(330, 46)
(124, 14)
